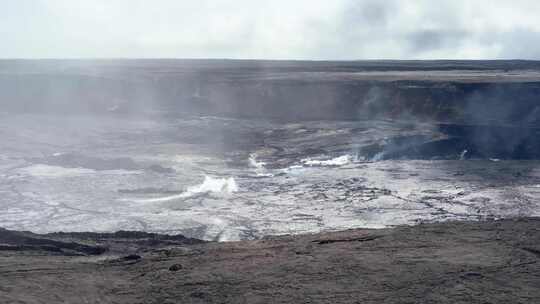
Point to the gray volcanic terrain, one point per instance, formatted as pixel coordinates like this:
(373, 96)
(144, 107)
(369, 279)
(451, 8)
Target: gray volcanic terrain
(231, 179)
(233, 150)
(336, 182)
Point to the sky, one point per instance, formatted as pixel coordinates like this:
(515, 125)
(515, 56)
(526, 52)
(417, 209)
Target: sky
(272, 29)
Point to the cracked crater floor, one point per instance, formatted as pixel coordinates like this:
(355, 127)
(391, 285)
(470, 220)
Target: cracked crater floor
(229, 179)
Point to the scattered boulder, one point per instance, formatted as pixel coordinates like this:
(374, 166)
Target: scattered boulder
(132, 257)
(175, 267)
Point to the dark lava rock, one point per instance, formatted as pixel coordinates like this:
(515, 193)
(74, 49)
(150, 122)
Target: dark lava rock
(197, 294)
(132, 257)
(133, 237)
(15, 240)
(175, 267)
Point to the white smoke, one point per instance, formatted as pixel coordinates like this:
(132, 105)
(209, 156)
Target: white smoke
(254, 163)
(46, 171)
(378, 157)
(215, 185)
(260, 170)
(338, 161)
(223, 186)
(463, 154)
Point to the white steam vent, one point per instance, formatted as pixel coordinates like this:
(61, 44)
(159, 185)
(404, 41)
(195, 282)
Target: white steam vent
(224, 186)
(216, 185)
(338, 161)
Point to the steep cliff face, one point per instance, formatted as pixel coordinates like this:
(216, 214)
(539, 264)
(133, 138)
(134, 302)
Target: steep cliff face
(441, 101)
(470, 92)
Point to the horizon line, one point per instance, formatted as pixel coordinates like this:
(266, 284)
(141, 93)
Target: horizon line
(249, 59)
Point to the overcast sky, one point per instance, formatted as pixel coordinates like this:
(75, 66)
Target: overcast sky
(272, 29)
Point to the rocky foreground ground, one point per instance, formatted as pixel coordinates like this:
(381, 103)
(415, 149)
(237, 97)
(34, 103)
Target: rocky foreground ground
(457, 262)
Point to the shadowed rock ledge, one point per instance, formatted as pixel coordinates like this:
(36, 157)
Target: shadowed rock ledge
(454, 262)
(474, 92)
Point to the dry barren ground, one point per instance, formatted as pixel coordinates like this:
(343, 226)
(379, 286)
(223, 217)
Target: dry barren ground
(459, 262)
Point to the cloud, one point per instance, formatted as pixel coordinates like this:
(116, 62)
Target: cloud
(428, 40)
(278, 29)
